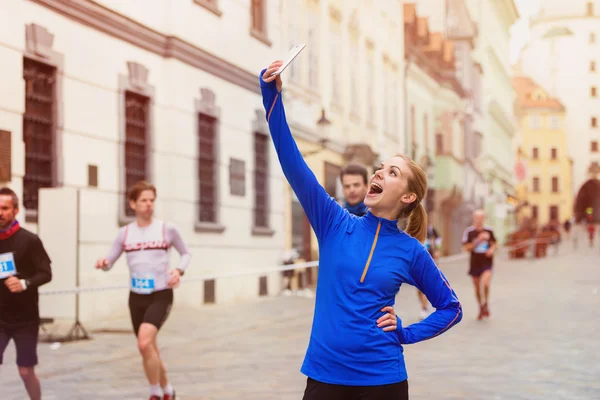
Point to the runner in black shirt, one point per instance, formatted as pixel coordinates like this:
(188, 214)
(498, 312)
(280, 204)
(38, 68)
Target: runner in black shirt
(480, 241)
(24, 266)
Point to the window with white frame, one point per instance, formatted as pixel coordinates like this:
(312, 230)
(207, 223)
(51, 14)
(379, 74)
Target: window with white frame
(354, 63)
(387, 94)
(335, 46)
(370, 78)
(294, 28)
(554, 123)
(313, 50)
(535, 122)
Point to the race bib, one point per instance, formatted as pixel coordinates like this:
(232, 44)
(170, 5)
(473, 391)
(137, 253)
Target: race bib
(7, 265)
(482, 247)
(142, 284)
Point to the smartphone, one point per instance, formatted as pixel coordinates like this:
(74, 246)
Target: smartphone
(294, 51)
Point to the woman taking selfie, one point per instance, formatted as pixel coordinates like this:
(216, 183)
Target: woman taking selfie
(355, 348)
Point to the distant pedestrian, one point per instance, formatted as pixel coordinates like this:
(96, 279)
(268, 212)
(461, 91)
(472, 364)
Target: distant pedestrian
(480, 241)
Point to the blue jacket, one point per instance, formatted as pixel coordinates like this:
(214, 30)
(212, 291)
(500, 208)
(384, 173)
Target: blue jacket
(363, 262)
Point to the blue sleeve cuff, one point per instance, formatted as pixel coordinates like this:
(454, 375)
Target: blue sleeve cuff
(263, 84)
(400, 331)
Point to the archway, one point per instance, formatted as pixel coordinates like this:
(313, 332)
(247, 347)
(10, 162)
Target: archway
(588, 197)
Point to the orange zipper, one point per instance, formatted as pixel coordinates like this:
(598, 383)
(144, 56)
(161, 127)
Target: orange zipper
(362, 278)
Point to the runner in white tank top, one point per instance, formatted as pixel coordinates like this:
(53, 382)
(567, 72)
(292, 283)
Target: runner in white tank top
(148, 250)
(147, 242)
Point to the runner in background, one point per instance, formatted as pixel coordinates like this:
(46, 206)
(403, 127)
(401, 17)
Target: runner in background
(24, 266)
(480, 241)
(147, 242)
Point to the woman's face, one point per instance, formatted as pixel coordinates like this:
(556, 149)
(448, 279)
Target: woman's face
(388, 188)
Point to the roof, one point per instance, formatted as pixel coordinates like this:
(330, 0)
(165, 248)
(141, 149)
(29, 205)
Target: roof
(532, 95)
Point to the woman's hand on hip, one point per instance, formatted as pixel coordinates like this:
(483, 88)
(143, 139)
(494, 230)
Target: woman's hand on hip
(267, 77)
(388, 321)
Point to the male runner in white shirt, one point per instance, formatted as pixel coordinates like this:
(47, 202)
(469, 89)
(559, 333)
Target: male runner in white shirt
(147, 242)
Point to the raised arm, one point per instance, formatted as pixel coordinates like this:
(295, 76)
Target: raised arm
(322, 211)
(175, 240)
(428, 278)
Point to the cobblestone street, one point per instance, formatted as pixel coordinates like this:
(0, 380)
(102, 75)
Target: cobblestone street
(541, 343)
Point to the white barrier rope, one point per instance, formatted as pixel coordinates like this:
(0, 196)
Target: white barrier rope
(461, 256)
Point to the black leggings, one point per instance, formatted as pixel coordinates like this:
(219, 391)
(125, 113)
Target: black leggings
(323, 391)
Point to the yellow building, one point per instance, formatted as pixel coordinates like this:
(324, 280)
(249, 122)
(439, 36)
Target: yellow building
(544, 169)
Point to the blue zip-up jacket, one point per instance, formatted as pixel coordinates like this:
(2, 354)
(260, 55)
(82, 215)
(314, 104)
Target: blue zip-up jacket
(363, 262)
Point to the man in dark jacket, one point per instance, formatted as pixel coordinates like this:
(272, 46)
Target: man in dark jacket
(354, 179)
(24, 266)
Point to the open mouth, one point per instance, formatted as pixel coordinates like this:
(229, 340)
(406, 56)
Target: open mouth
(375, 188)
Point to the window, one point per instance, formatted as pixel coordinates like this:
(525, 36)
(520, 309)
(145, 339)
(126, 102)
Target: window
(301, 230)
(554, 122)
(593, 91)
(237, 177)
(534, 122)
(553, 213)
(535, 153)
(293, 8)
(136, 142)
(259, 25)
(426, 131)
(592, 66)
(553, 153)
(38, 130)
(5, 156)
(390, 107)
(594, 146)
(354, 68)
(207, 168)
(534, 212)
(594, 122)
(592, 38)
(335, 49)
(590, 8)
(370, 84)
(536, 185)
(413, 127)
(313, 51)
(439, 144)
(555, 184)
(261, 180)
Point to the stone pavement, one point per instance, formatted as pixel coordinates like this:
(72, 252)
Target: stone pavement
(542, 342)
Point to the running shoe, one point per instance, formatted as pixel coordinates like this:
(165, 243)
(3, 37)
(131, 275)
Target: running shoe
(486, 311)
(481, 313)
(169, 396)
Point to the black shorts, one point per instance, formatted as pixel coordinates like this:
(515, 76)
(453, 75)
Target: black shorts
(476, 272)
(151, 308)
(25, 339)
(316, 390)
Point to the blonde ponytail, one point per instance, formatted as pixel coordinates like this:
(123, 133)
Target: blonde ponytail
(417, 223)
(413, 218)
